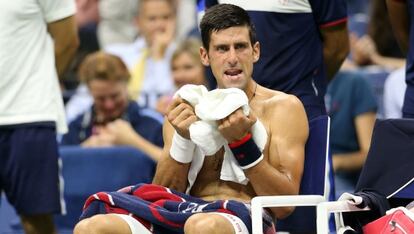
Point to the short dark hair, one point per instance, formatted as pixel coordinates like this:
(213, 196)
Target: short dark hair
(223, 16)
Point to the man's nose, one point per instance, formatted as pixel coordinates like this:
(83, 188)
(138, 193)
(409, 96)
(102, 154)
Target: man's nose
(232, 57)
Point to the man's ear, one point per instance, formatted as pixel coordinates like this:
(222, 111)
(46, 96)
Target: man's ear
(204, 56)
(256, 51)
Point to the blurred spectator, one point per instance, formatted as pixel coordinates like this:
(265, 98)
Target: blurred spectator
(294, 59)
(402, 18)
(113, 119)
(394, 89)
(147, 59)
(117, 20)
(186, 68)
(378, 46)
(352, 107)
(38, 39)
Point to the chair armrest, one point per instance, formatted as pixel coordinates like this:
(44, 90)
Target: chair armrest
(259, 202)
(323, 210)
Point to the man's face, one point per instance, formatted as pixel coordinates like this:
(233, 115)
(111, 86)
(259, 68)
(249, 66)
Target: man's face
(154, 18)
(110, 99)
(231, 57)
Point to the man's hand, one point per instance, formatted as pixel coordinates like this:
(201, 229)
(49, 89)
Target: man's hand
(236, 125)
(181, 115)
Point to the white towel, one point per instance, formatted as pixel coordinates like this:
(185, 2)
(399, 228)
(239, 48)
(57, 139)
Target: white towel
(210, 107)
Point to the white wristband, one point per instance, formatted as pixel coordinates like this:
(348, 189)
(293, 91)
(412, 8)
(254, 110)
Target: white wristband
(182, 150)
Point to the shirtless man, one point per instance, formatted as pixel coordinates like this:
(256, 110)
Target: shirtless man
(230, 48)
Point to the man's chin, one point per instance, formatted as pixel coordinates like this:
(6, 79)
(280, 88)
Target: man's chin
(233, 85)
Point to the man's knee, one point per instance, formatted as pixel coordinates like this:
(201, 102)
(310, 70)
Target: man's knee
(102, 224)
(207, 223)
(98, 224)
(82, 226)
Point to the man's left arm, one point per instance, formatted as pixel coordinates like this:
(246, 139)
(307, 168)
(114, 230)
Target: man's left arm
(65, 36)
(280, 170)
(280, 173)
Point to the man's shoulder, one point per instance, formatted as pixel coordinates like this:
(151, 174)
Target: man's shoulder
(279, 107)
(278, 98)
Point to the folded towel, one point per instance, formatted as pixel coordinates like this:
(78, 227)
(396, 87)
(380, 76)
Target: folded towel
(210, 107)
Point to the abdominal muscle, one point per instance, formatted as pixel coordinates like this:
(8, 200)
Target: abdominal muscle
(210, 187)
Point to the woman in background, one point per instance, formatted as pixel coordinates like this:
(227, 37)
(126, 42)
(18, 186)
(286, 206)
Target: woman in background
(186, 68)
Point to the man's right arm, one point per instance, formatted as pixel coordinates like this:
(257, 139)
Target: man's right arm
(400, 22)
(171, 172)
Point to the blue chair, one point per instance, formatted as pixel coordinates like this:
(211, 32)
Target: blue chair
(388, 169)
(316, 185)
(86, 171)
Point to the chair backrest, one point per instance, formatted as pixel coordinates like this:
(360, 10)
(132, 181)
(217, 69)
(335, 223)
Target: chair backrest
(317, 178)
(86, 171)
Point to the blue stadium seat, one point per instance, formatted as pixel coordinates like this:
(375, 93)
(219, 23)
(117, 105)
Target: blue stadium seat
(86, 171)
(89, 170)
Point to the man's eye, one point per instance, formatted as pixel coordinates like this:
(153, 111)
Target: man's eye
(240, 46)
(221, 49)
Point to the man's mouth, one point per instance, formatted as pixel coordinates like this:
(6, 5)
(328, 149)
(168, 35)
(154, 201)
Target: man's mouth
(233, 74)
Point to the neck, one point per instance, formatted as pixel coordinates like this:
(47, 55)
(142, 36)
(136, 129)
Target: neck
(251, 91)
